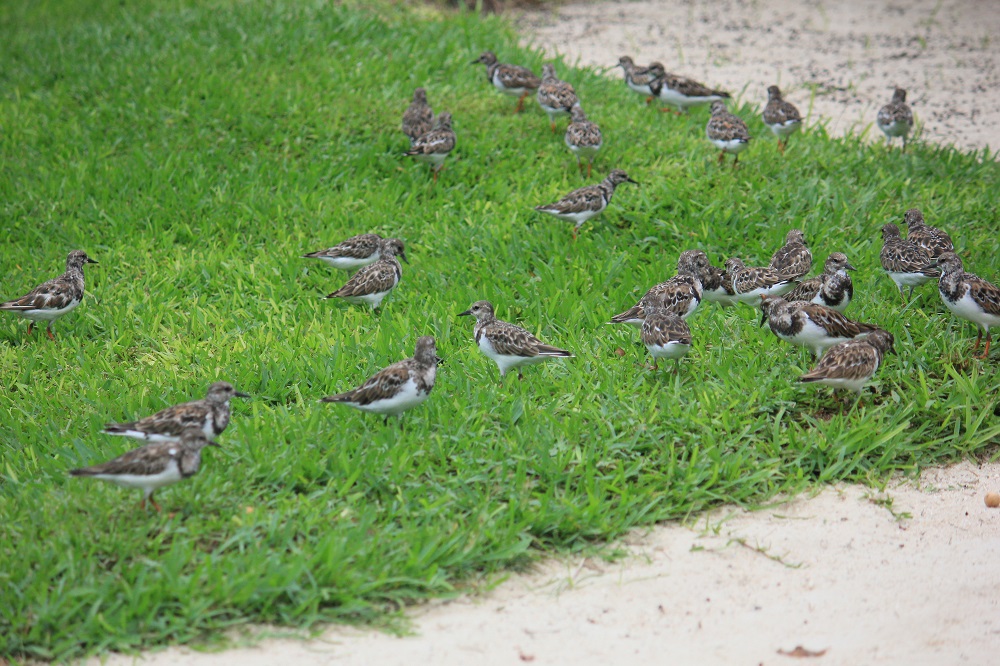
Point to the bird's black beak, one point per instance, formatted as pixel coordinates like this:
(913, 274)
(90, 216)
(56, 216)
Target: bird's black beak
(465, 314)
(763, 318)
(850, 268)
(212, 442)
(241, 394)
(402, 255)
(90, 261)
(632, 181)
(477, 61)
(438, 360)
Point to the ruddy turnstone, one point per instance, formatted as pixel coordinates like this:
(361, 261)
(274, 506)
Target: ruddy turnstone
(580, 205)
(374, 282)
(717, 287)
(895, 118)
(509, 79)
(682, 92)
(728, 132)
(554, 96)
(399, 387)
(793, 259)
(850, 365)
(749, 284)
(781, 116)
(210, 415)
(434, 146)
(508, 345)
(51, 300)
(355, 252)
(969, 297)
(935, 241)
(641, 79)
(680, 294)
(153, 466)
(908, 264)
(583, 137)
(418, 119)
(815, 327)
(833, 288)
(665, 335)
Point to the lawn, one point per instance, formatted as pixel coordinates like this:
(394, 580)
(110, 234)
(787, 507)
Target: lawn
(197, 150)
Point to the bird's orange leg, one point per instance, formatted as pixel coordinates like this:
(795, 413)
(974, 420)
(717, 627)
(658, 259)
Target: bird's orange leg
(31, 326)
(722, 156)
(589, 165)
(979, 339)
(987, 351)
(520, 103)
(781, 147)
(48, 330)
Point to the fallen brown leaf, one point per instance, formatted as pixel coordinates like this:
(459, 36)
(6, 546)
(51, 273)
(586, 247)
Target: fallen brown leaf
(800, 652)
(619, 352)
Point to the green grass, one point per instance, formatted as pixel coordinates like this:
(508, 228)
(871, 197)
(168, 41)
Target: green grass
(197, 152)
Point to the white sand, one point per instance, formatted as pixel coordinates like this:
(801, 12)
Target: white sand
(838, 572)
(946, 53)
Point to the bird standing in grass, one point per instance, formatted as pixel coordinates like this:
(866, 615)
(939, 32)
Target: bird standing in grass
(509, 79)
(374, 282)
(53, 299)
(895, 118)
(793, 259)
(584, 203)
(554, 96)
(833, 288)
(642, 80)
(969, 297)
(665, 335)
(355, 252)
(508, 345)
(434, 146)
(210, 415)
(681, 92)
(153, 466)
(399, 387)
(728, 132)
(908, 264)
(850, 365)
(932, 239)
(418, 119)
(583, 137)
(781, 117)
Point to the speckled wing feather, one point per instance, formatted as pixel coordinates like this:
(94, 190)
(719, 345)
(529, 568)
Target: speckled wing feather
(717, 278)
(355, 247)
(583, 134)
(906, 257)
(727, 127)
(895, 112)
(806, 290)
(747, 280)
(383, 385)
(435, 142)
(935, 241)
(792, 261)
(171, 421)
(674, 295)
(780, 111)
(834, 323)
(372, 279)
(852, 360)
(146, 460)
(689, 88)
(661, 328)
(418, 119)
(590, 197)
(515, 76)
(55, 294)
(986, 294)
(557, 95)
(511, 340)
(642, 76)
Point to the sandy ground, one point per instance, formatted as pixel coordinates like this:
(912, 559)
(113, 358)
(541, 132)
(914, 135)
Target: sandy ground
(946, 53)
(908, 576)
(914, 581)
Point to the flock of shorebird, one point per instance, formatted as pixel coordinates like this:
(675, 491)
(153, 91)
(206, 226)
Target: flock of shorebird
(805, 312)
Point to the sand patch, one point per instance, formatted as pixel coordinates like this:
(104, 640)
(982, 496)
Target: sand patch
(946, 53)
(909, 576)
